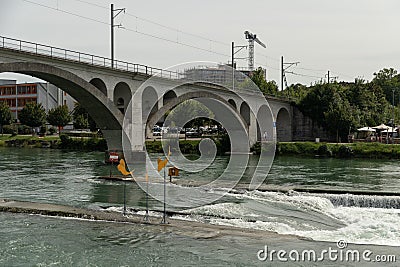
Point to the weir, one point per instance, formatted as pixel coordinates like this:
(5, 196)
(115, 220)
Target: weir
(364, 201)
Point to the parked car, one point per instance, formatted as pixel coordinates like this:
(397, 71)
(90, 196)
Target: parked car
(193, 133)
(156, 131)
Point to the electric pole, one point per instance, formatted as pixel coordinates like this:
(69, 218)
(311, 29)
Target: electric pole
(236, 49)
(328, 77)
(119, 10)
(284, 68)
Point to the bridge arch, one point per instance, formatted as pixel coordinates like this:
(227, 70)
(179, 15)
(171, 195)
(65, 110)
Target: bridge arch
(168, 96)
(99, 84)
(245, 112)
(122, 96)
(264, 122)
(155, 117)
(100, 108)
(232, 103)
(149, 101)
(283, 125)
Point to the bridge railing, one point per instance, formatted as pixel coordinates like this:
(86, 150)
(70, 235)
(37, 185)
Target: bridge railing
(70, 55)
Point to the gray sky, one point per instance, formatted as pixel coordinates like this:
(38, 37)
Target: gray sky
(351, 38)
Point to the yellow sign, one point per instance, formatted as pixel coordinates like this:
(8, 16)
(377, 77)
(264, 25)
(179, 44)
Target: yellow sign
(122, 168)
(162, 163)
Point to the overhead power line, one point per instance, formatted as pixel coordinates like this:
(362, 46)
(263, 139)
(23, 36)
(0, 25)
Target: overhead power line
(128, 29)
(176, 41)
(158, 24)
(67, 12)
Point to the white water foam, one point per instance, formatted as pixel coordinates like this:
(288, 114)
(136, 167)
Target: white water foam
(364, 226)
(299, 214)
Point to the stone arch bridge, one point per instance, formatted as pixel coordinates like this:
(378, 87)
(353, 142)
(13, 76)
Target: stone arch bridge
(105, 92)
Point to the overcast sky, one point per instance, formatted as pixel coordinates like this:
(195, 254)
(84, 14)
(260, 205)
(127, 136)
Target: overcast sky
(351, 38)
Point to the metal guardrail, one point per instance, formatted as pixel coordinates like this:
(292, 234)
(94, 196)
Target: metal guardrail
(70, 55)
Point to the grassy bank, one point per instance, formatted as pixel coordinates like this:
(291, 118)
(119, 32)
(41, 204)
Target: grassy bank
(357, 150)
(63, 142)
(309, 149)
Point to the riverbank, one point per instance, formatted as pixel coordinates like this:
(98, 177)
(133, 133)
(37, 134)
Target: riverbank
(344, 150)
(308, 149)
(54, 142)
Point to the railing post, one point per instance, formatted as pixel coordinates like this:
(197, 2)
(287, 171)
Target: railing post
(51, 51)
(36, 48)
(92, 59)
(20, 45)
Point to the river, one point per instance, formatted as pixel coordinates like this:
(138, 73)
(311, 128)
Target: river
(70, 178)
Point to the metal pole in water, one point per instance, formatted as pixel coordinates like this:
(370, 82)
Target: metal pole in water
(124, 197)
(164, 220)
(146, 217)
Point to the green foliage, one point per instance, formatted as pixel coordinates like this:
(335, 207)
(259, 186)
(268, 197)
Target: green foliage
(388, 80)
(340, 116)
(324, 150)
(191, 146)
(52, 130)
(80, 122)
(353, 150)
(90, 144)
(82, 119)
(32, 115)
(294, 91)
(190, 109)
(343, 107)
(59, 116)
(266, 87)
(5, 115)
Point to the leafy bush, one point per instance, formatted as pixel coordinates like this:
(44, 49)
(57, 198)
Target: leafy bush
(345, 151)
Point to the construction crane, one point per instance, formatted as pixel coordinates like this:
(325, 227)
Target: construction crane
(252, 37)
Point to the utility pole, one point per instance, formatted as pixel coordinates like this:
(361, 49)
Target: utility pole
(119, 10)
(238, 49)
(284, 70)
(282, 73)
(328, 77)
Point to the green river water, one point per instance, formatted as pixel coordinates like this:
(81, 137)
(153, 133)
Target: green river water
(70, 178)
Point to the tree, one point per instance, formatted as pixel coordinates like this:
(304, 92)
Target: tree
(59, 116)
(82, 119)
(80, 122)
(32, 115)
(388, 80)
(5, 115)
(340, 116)
(266, 87)
(192, 110)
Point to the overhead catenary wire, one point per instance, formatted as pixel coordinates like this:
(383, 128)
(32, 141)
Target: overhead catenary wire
(128, 29)
(159, 24)
(177, 40)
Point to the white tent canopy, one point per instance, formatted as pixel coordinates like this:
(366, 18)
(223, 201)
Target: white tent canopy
(390, 130)
(381, 127)
(366, 129)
